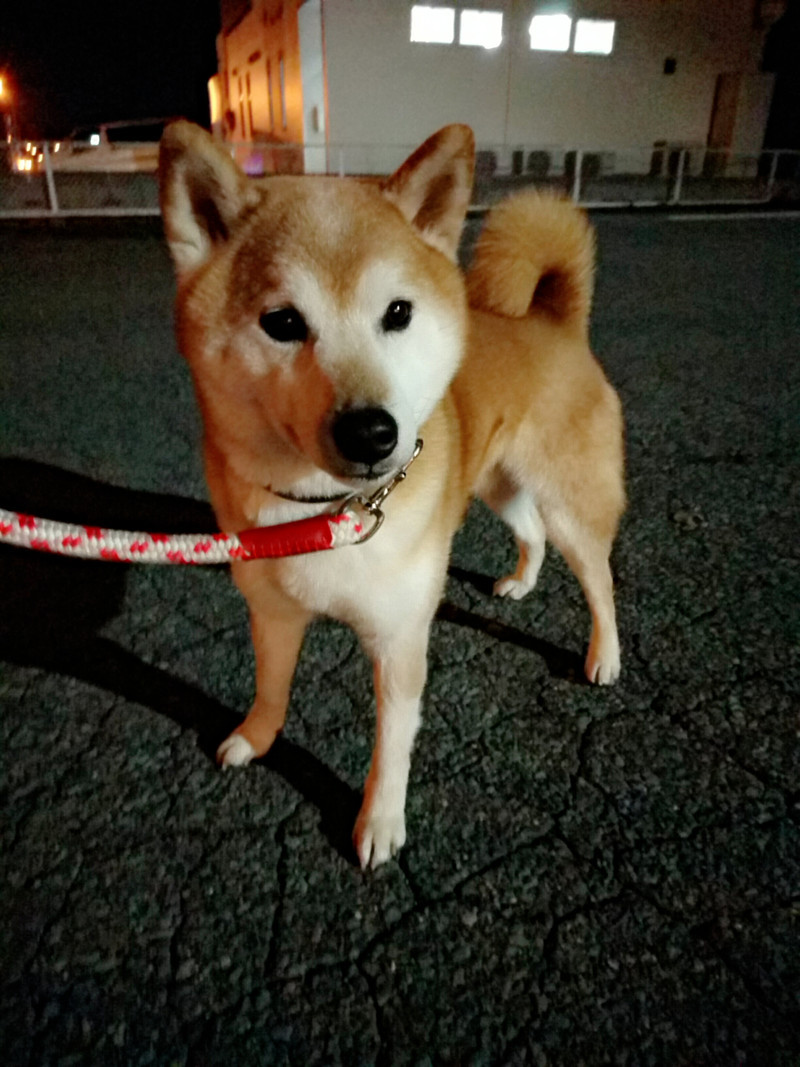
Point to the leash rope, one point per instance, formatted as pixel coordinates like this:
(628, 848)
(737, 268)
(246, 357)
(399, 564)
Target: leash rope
(316, 534)
(128, 546)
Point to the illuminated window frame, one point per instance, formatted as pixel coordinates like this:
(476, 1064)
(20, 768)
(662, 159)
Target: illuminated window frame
(270, 98)
(550, 33)
(249, 101)
(282, 87)
(436, 24)
(433, 24)
(594, 37)
(559, 32)
(479, 28)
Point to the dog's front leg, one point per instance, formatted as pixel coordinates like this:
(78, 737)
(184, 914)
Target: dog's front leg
(277, 630)
(400, 669)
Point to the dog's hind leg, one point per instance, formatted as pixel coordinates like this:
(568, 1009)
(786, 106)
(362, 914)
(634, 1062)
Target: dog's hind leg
(587, 556)
(517, 507)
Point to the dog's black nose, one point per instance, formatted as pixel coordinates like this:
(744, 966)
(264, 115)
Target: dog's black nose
(365, 435)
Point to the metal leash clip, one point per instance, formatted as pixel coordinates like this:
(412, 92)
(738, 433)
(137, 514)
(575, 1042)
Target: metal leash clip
(372, 504)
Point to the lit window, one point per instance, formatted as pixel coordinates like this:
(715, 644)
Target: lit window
(270, 102)
(484, 28)
(595, 36)
(282, 82)
(433, 25)
(550, 33)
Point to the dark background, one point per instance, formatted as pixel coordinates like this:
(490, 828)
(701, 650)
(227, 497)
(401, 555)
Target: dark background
(90, 61)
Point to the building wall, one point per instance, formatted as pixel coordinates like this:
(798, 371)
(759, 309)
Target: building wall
(380, 93)
(259, 59)
(383, 88)
(312, 66)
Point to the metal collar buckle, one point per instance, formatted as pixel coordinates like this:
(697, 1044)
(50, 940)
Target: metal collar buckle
(372, 504)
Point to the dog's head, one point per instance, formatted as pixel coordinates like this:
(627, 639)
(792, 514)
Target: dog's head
(323, 317)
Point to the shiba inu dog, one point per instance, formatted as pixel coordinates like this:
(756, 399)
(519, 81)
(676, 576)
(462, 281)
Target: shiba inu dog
(327, 327)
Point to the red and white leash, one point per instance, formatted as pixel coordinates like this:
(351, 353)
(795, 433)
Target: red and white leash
(349, 525)
(128, 546)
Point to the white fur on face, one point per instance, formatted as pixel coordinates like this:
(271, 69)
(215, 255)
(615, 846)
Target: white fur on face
(421, 359)
(350, 360)
(406, 371)
(254, 353)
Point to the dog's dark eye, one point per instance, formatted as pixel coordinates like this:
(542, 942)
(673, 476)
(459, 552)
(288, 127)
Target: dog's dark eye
(397, 316)
(284, 324)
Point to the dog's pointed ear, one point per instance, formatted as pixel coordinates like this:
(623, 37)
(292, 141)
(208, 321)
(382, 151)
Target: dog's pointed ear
(203, 193)
(433, 186)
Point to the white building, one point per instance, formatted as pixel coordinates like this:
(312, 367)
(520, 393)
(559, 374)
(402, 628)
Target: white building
(363, 79)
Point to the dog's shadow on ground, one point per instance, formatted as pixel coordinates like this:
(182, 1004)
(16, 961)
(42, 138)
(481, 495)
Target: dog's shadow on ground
(55, 609)
(560, 662)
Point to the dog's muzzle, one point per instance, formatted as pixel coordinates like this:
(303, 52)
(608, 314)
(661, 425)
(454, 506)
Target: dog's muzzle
(365, 435)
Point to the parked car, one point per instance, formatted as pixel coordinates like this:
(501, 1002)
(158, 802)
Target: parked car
(111, 146)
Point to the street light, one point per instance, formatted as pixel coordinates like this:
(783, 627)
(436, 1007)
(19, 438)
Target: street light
(7, 105)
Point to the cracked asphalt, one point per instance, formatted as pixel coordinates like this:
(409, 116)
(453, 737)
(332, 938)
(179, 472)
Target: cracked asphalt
(593, 876)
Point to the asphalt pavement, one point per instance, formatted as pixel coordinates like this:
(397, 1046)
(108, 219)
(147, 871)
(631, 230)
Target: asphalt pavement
(592, 876)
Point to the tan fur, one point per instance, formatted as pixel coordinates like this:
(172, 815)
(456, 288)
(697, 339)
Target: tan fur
(528, 420)
(535, 253)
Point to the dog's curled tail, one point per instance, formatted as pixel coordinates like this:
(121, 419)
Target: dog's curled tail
(535, 254)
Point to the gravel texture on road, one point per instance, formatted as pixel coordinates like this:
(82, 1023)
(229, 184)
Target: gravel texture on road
(592, 876)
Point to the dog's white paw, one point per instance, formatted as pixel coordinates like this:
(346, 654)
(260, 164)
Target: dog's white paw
(603, 665)
(512, 587)
(378, 837)
(235, 751)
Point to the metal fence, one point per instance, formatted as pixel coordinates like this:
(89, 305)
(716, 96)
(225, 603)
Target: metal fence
(50, 180)
(60, 180)
(671, 175)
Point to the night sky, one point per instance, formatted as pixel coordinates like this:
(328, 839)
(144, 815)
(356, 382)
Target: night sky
(76, 62)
